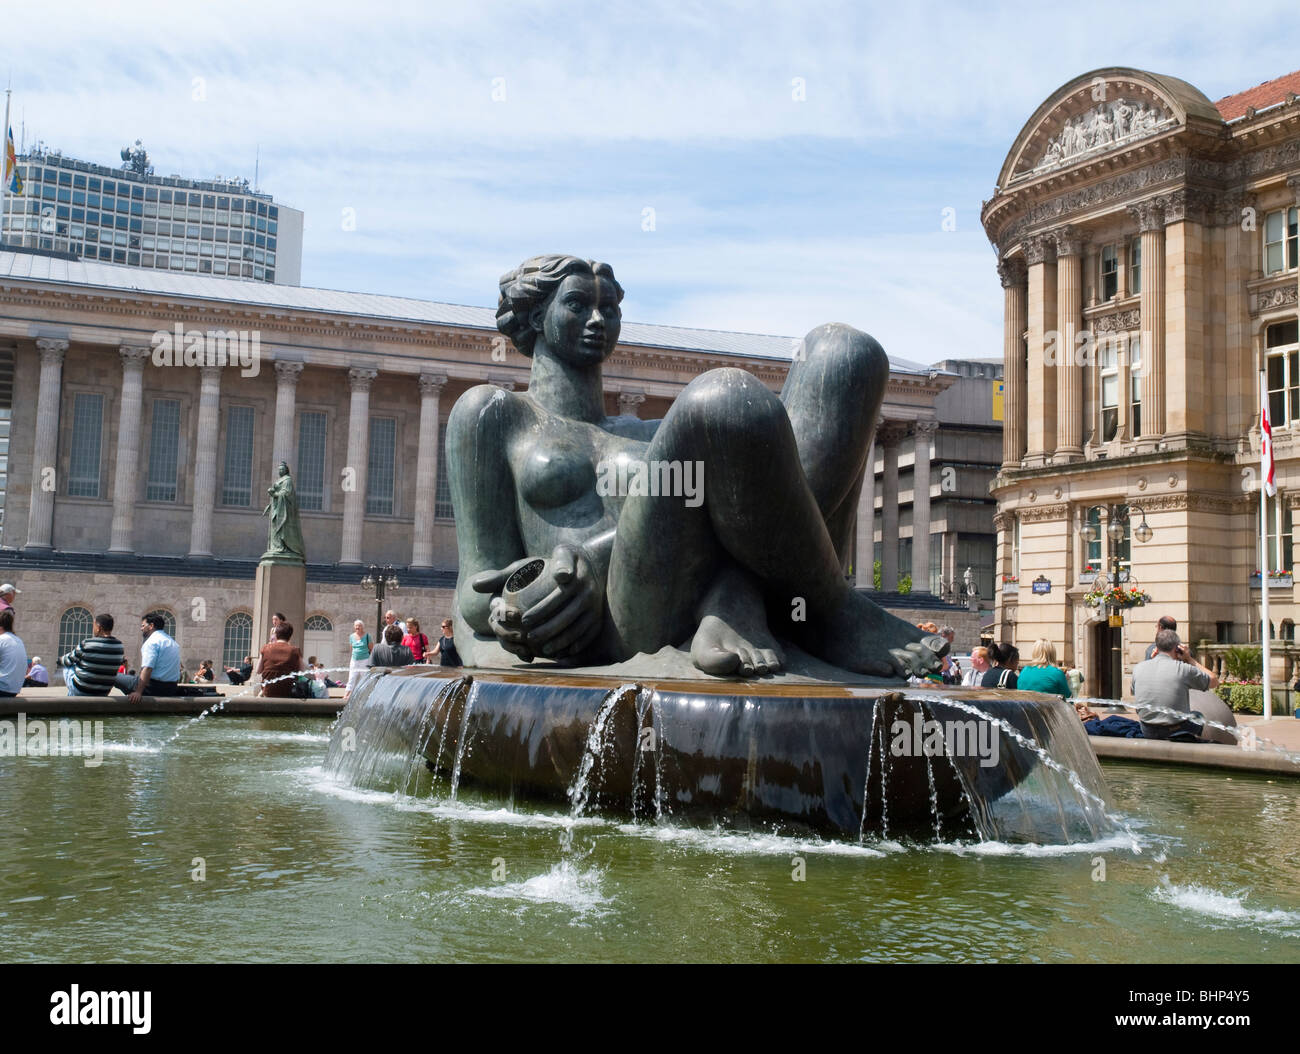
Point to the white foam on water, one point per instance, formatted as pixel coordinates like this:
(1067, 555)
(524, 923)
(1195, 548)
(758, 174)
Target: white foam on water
(131, 748)
(1115, 842)
(1227, 908)
(286, 737)
(446, 810)
(564, 885)
(747, 843)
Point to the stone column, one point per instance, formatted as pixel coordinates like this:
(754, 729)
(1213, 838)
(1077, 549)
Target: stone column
(126, 487)
(205, 462)
(426, 470)
(354, 481)
(1014, 324)
(1150, 217)
(924, 435)
(286, 398)
(1040, 387)
(628, 403)
(888, 435)
(864, 562)
(1069, 370)
(49, 396)
(1294, 183)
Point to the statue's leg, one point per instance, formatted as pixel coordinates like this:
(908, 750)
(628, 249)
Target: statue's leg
(833, 395)
(731, 436)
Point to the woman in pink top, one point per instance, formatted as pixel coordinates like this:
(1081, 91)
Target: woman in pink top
(415, 640)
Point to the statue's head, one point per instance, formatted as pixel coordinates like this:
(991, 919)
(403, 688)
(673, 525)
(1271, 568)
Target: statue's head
(284, 468)
(570, 302)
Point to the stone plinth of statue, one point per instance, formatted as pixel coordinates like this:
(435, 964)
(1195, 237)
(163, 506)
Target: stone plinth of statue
(281, 584)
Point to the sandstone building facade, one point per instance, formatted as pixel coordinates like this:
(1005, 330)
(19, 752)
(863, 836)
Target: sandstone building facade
(1147, 245)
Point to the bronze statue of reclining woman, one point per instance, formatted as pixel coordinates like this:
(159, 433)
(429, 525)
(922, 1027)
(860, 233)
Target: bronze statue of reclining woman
(571, 550)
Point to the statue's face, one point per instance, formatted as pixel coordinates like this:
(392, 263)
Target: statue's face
(581, 321)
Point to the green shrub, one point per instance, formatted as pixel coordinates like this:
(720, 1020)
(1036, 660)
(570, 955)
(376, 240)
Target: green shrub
(1244, 664)
(876, 576)
(905, 584)
(1242, 698)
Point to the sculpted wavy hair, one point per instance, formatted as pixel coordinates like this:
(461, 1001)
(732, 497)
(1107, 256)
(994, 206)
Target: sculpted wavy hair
(528, 286)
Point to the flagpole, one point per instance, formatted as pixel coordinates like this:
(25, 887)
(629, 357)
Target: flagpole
(1264, 631)
(4, 174)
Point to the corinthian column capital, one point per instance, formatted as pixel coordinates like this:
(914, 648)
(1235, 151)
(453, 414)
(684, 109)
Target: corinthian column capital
(360, 379)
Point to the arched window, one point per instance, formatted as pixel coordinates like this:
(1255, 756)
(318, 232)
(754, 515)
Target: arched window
(75, 625)
(169, 620)
(318, 624)
(237, 640)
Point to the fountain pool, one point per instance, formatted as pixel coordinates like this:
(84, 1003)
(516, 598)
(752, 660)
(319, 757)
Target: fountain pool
(99, 864)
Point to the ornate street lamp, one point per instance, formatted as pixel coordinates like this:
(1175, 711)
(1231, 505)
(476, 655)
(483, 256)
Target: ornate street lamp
(380, 579)
(1117, 517)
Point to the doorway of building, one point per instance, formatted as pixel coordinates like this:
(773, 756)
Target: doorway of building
(1107, 661)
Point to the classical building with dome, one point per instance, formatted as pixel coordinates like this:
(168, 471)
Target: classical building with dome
(1146, 240)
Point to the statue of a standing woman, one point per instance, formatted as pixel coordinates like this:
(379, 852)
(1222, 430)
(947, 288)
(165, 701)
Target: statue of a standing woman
(284, 541)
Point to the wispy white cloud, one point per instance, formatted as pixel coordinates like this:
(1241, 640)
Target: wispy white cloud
(467, 136)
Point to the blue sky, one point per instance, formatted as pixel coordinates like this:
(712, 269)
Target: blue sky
(771, 213)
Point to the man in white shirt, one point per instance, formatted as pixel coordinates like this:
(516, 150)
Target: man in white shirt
(391, 619)
(980, 665)
(13, 656)
(160, 663)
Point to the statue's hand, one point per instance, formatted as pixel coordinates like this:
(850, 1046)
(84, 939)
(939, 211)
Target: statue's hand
(568, 619)
(503, 621)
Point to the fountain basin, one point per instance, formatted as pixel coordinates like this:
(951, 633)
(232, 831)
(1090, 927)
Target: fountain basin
(836, 759)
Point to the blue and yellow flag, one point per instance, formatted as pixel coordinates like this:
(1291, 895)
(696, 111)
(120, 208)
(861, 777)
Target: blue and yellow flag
(13, 182)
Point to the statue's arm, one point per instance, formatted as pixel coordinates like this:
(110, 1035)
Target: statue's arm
(482, 494)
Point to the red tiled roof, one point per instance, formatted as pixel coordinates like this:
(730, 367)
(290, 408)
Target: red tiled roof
(1267, 94)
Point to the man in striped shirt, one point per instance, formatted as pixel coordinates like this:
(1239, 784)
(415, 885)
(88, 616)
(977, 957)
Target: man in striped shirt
(90, 667)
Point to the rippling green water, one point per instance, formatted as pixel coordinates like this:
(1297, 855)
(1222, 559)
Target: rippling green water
(96, 865)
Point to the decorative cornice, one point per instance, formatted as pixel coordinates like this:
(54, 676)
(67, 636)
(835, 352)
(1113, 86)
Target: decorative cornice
(1118, 321)
(1183, 501)
(1012, 272)
(1149, 215)
(1280, 296)
(360, 379)
(1033, 514)
(1069, 241)
(287, 373)
(890, 433)
(1038, 247)
(134, 356)
(432, 383)
(52, 351)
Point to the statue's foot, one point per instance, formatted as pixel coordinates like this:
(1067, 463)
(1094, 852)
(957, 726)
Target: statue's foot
(865, 638)
(732, 638)
(725, 651)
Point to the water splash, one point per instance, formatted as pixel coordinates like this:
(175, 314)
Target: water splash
(599, 741)
(1088, 798)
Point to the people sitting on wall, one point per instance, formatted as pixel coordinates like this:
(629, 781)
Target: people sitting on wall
(276, 661)
(91, 668)
(206, 675)
(13, 656)
(392, 652)
(37, 675)
(1042, 674)
(241, 673)
(1162, 684)
(1006, 659)
(160, 663)
(949, 667)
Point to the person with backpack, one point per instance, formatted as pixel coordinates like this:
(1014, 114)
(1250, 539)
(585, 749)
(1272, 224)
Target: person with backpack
(1003, 674)
(415, 640)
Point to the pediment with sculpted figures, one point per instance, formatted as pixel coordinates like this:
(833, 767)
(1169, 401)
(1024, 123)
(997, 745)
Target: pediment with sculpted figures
(1103, 127)
(1100, 112)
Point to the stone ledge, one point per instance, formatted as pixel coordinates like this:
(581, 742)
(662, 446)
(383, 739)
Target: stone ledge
(1199, 755)
(182, 706)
